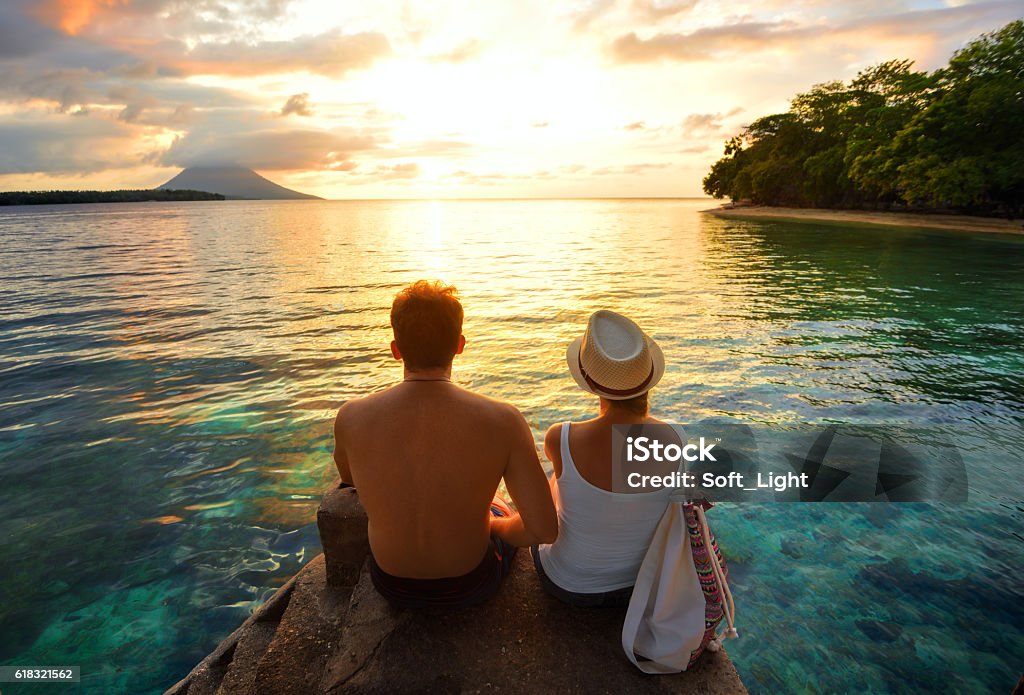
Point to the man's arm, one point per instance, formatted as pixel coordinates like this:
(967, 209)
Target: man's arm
(536, 521)
(340, 458)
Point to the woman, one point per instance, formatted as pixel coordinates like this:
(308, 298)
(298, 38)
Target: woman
(602, 534)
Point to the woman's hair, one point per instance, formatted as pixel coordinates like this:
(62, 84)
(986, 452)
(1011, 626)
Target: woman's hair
(637, 405)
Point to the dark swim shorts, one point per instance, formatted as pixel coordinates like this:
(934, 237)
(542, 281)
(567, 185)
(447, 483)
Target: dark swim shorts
(470, 589)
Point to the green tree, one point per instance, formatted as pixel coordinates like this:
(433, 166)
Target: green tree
(950, 139)
(888, 96)
(965, 149)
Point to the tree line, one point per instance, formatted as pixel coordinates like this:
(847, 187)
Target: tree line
(124, 196)
(893, 137)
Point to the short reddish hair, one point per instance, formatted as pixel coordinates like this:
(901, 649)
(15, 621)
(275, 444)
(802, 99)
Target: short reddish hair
(426, 317)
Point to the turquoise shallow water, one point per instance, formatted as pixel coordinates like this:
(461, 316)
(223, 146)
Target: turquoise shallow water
(169, 372)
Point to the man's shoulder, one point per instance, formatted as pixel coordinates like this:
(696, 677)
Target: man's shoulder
(368, 404)
(490, 406)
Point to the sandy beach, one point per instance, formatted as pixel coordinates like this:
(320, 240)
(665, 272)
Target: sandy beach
(960, 223)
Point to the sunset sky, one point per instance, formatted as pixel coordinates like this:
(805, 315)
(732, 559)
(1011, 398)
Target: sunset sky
(429, 99)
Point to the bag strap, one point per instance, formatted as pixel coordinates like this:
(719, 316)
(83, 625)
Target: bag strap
(728, 606)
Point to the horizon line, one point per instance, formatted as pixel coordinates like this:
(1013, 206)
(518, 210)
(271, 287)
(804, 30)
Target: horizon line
(418, 198)
(429, 198)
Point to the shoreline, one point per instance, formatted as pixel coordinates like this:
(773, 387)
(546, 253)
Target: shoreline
(954, 223)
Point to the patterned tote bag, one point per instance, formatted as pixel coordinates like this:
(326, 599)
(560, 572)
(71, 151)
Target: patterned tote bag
(681, 593)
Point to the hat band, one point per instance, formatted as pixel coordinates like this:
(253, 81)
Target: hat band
(635, 391)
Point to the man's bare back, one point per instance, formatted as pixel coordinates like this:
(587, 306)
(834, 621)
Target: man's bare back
(426, 457)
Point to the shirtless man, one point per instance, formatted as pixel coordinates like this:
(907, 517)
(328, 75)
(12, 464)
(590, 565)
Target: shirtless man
(427, 457)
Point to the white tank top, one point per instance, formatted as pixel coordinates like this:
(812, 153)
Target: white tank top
(602, 536)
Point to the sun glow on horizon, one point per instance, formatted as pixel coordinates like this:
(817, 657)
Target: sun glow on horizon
(446, 99)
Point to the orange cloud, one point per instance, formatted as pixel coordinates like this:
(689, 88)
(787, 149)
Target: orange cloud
(745, 37)
(332, 54)
(70, 16)
(294, 150)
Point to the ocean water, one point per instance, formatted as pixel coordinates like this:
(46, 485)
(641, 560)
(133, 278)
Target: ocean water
(169, 374)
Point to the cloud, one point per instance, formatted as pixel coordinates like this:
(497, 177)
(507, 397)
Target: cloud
(135, 102)
(78, 90)
(54, 144)
(297, 104)
(745, 37)
(64, 88)
(126, 102)
(202, 17)
(113, 80)
(70, 15)
(170, 38)
(267, 149)
(473, 177)
(37, 62)
(427, 148)
(25, 40)
(72, 75)
(383, 172)
(331, 54)
(630, 168)
(642, 12)
(490, 178)
(703, 126)
(655, 10)
(698, 125)
(702, 44)
(566, 171)
(462, 53)
(20, 36)
(409, 170)
(586, 12)
(183, 114)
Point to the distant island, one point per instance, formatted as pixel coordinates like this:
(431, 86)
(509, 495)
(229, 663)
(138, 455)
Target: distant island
(894, 139)
(234, 183)
(124, 196)
(193, 183)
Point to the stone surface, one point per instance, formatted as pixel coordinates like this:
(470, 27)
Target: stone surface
(341, 521)
(240, 678)
(368, 622)
(520, 641)
(308, 632)
(329, 631)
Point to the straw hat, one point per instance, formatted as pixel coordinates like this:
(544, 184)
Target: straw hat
(614, 358)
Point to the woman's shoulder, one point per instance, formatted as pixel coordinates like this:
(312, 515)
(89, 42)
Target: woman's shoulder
(553, 447)
(552, 436)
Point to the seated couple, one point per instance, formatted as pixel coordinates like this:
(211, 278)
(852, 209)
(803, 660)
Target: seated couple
(427, 457)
